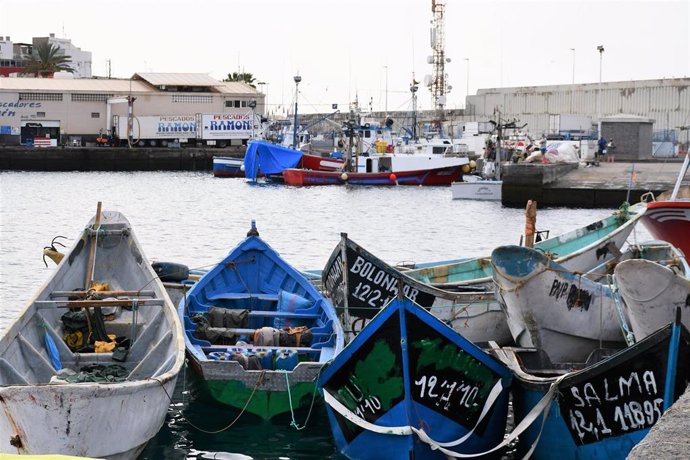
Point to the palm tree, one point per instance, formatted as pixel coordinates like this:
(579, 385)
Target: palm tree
(47, 59)
(244, 77)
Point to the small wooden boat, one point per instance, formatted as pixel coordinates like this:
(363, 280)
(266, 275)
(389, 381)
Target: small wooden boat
(258, 332)
(652, 290)
(66, 387)
(564, 312)
(368, 284)
(598, 409)
(408, 386)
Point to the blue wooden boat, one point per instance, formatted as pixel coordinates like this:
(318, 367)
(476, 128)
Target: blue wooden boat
(408, 382)
(602, 410)
(258, 332)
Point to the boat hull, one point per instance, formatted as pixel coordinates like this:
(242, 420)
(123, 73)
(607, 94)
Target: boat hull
(369, 283)
(551, 308)
(43, 410)
(669, 221)
(438, 176)
(408, 368)
(228, 167)
(652, 292)
(258, 332)
(599, 411)
(69, 425)
(486, 190)
(264, 394)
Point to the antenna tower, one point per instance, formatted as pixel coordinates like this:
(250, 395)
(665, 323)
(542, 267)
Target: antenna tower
(439, 79)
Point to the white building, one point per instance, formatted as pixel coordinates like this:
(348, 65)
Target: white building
(77, 111)
(80, 60)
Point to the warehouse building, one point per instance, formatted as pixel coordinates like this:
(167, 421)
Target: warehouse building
(68, 111)
(665, 101)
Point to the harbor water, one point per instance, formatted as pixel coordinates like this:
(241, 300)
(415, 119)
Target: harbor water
(196, 219)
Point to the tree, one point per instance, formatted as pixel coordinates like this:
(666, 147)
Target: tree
(46, 59)
(244, 77)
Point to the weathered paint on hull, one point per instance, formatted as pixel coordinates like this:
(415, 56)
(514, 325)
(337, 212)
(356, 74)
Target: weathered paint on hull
(70, 425)
(264, 403)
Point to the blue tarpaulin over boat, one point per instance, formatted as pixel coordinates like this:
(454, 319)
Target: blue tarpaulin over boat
(265, 158)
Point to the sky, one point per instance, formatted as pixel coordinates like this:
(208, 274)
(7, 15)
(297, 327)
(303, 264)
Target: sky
(368, 50)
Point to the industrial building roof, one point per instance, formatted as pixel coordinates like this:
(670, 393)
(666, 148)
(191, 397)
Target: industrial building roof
(178, 79)
(76, 84)
(140, 83)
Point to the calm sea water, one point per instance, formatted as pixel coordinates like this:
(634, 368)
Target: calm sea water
(194, 218)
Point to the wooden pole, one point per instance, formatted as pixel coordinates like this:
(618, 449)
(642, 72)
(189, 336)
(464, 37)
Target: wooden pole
(89, 266)
(92, 249)
(530, 223)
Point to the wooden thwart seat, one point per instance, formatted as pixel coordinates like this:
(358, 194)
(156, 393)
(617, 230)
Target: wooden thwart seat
(242, 296)
(80, 294)
(283, 314)
(97, 303)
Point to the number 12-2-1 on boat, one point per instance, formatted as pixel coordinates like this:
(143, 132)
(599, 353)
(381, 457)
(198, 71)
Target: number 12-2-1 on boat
(408, 386)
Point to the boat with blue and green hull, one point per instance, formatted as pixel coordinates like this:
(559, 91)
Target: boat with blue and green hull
(258, 332)
(409, 386)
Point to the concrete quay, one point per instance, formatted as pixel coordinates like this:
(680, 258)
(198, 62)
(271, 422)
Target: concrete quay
(669, 437)
(605, 186)
(111, 158)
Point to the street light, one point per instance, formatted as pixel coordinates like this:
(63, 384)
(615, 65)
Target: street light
(467, 90)
(262, 84)
(600, 48)
(386, 67)
(572, 89)
(297, 79)
(252, 105)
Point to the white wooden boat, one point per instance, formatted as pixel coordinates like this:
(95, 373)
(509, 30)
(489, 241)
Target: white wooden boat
(652, 290)
(43, 408)
(566, 313)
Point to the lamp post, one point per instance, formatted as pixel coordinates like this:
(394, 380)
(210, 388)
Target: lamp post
(297, 79)
(261, 85)
(572, 89)
(252, 105)
(600, 48)
(467, 82)
(386, 67)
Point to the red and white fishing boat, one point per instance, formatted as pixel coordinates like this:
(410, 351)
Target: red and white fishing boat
(434, 176)
(669, 220)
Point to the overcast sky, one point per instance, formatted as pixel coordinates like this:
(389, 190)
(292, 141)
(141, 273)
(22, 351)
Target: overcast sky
(348, 48)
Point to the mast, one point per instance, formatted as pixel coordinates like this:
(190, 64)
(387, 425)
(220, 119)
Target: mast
(413, 90)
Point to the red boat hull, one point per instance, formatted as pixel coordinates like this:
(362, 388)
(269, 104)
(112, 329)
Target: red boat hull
(438, 176)
(320, 163)
(669, 221)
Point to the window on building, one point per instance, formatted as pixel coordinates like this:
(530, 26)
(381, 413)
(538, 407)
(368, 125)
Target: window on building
(237, 104)
(95, 115)
(40, 96)
(244, 103)
(85, 97)
(188, 99)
